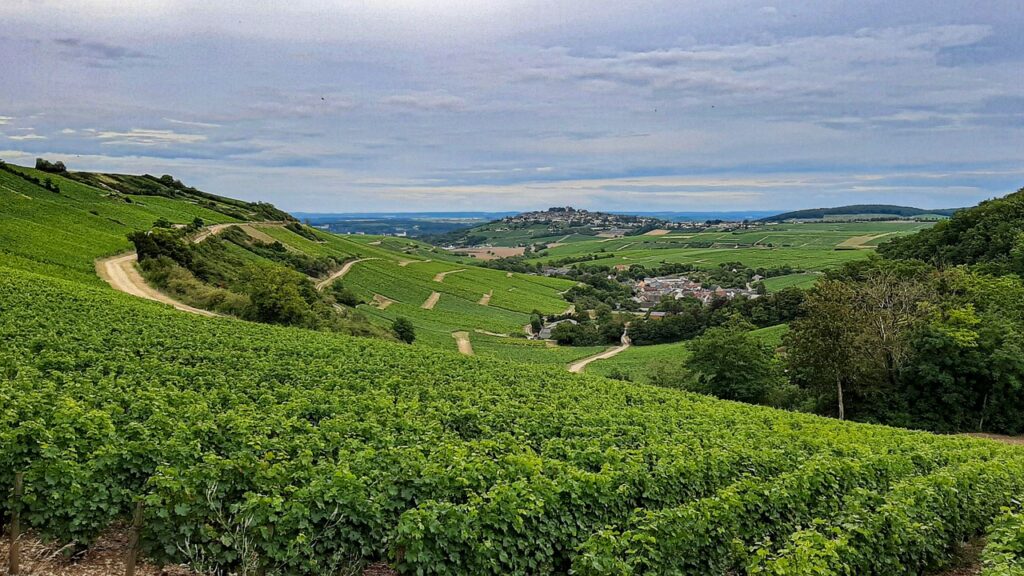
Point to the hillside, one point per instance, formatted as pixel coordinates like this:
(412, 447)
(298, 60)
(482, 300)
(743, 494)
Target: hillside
(253, 257)
(861, 212)
(990, 235)
(303, 452)
(259, 448)
(551, 226)
(61, 230)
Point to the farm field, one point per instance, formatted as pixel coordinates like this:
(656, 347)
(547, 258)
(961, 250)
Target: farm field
(809, 246)
(399, 453)
(638, 362)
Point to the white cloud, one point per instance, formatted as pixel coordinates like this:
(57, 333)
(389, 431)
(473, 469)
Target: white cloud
(5, 119)
(190, 123)
(68, 131)
(32, 136)
(142, 137)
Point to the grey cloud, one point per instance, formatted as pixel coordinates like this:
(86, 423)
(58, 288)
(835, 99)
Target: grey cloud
(99, 53)
(426, 101)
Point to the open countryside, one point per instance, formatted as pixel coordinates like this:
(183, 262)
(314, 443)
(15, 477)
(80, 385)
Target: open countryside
(511, 288)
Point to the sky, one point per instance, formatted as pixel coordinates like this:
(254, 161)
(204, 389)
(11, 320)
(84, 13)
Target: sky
(486, 105)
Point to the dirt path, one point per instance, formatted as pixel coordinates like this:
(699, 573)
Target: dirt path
(439, 277)
(340, 273)
(120, 272)
(404, 263)
(497, 334)
(860, 242)
(382, 302)
(431, 301)
(462, 339)
(578, 366)
(1018, 440)
(485, 299)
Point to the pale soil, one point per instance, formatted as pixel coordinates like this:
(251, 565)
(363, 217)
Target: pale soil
(860, 242)
(382, 302)
(439, 277)
(404, 263)
(579, 365)
(120, 272)
(375, 243)
(508, 274)
(499, 335)
(106, 557)
(431, 301)
(122, 275)
(494, 252)
(658, 232)
(608, 235)
(1019, 440)
(260, 235)
(554, 245)
(485, 299)
(340, 273)
(462, 339)
(528, 330)
(212, 231)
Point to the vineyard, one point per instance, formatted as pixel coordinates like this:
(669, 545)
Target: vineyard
(807, 246)
(263, 449)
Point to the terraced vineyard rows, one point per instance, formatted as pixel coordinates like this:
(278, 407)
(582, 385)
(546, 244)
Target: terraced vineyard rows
(299, 452)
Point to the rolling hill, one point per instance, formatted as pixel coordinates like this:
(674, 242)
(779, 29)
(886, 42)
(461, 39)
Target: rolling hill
(259, 448)
(862, 212)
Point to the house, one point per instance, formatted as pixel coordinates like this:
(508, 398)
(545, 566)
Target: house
(545, 331)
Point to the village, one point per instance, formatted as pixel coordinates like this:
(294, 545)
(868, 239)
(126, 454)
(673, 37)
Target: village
(650, 291)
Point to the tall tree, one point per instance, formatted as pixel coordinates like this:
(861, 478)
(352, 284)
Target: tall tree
(822, 346)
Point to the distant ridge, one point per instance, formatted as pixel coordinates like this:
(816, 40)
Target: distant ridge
(858, 210)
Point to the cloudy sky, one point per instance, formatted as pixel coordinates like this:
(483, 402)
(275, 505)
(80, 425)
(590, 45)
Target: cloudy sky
(390, 105)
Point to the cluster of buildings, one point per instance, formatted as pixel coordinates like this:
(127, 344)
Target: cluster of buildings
(618, 224)
(650, 291)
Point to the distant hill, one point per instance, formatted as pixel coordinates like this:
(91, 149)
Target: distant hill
(991, 235)
(860, 212)
(547, 226)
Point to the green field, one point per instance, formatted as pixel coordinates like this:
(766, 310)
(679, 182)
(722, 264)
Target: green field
(63, 233)
(639, 362)
(809, 246)
(308, 453)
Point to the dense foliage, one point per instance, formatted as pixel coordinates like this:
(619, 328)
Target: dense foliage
(1004, 552)
(990, 235)
(859, 209)
(258, 447)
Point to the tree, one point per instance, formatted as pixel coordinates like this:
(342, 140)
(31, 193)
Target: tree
(342, 295)
(730, 363)
(404, 330)
(278, 296)
(822, 347)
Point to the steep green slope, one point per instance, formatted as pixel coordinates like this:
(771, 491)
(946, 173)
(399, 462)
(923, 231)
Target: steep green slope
(288, 451)
(990, 234)
(62, 232)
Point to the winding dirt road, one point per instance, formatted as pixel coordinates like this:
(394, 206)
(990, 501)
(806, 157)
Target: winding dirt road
(120, 272)
(122, 275)
(340, 273)
(578, 366)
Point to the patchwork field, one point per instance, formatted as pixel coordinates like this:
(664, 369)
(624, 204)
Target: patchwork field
(637, 363)
(311, 453)
(808, 246)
